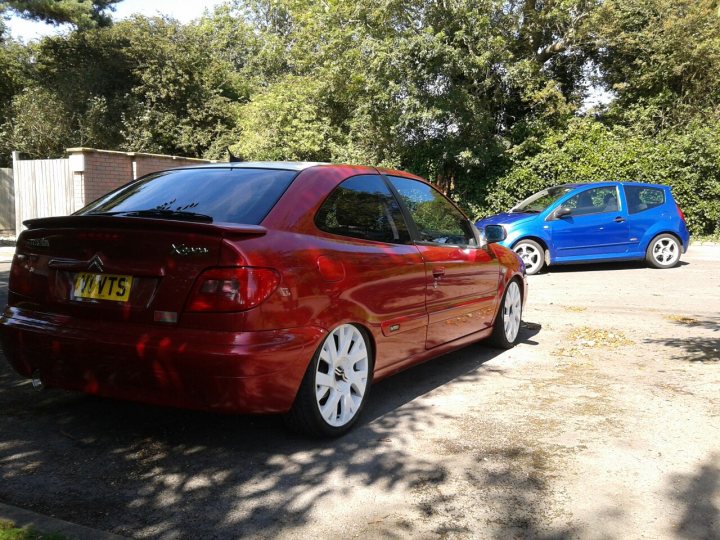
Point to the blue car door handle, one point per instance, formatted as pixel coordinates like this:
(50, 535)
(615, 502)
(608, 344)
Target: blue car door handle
(619, 219)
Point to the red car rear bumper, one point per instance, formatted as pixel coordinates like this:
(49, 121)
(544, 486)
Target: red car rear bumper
(248, 372)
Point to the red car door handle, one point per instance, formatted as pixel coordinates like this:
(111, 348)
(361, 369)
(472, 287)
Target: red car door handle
(438, 272)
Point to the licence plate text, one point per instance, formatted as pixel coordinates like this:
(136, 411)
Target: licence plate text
(102, 286)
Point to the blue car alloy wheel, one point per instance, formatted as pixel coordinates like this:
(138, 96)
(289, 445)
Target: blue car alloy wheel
(588, 223)
(532, 254)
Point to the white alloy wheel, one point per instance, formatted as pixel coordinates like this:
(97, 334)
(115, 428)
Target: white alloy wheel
(532, 255)
(506, 325)
(341, 375)
(512, 312)
(665, 251)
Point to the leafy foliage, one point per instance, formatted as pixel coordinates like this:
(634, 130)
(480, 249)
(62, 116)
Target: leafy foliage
(40, 123)
(661, 58)
(588, 151)
(484, 97)
(182, 100)
(286, 122)
(81, 13)
(145, 84)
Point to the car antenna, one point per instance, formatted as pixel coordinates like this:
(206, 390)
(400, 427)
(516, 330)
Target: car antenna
(233, 158)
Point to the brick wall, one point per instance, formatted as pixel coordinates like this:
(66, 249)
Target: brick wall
(148, 163)
(96, 172)
(104, 172)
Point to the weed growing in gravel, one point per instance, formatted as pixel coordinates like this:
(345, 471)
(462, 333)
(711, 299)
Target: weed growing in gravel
(580, 340)
(8, 531)
(682, 319)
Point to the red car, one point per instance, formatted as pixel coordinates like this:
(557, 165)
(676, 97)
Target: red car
(256, 288)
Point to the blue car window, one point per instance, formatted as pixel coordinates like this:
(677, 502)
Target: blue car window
(594, 201)
(642, 198)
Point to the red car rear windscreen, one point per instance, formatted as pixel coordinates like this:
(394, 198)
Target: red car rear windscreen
(212, 195)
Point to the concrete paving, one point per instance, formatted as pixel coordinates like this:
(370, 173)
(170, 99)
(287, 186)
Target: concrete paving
(602, 423)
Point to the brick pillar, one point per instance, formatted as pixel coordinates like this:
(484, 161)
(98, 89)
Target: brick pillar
(97, 172)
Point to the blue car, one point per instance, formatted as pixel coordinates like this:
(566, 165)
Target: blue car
(606, 221)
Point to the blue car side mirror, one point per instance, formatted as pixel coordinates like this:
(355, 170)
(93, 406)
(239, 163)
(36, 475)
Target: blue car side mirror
(495, 233)
(561, 212)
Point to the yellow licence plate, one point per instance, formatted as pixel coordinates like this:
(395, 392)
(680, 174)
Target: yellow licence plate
(102, 286)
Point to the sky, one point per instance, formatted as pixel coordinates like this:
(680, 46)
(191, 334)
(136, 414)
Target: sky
(184, 11)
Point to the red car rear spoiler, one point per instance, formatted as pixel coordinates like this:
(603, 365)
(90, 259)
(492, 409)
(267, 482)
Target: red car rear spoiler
(125, 222)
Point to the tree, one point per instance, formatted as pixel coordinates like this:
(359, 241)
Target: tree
(286, 122)
(186, 93)
(91, 76)
(661, 58)
(147, 85)
(14, 58)
(440, 88)
(81, 13)
(39, 125)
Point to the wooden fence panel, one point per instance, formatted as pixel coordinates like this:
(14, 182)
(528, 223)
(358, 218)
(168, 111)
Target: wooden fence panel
(43, 188)
(7, 203)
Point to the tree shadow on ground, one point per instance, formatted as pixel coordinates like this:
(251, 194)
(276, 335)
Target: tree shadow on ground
(709, 323)
(700, 348)
(164, 473)
(514, 476)
(699, 494)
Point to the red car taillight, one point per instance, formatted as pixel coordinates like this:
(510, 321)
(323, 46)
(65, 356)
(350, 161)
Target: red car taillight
(21, 277)
(232, 289)
(680, 212)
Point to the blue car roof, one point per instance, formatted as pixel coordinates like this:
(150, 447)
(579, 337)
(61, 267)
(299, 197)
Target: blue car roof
(575, 185)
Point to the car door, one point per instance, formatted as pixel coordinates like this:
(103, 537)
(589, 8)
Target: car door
(644, 206)
(367, 260)
(461, 277)
(596, 226)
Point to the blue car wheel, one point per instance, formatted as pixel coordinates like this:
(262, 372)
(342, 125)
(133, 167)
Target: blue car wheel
(532, 254)
(663, 251)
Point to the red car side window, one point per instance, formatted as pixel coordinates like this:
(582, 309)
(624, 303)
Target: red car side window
(437, 220)
(363, 207)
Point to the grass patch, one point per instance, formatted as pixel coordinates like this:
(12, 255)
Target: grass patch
(8, 531)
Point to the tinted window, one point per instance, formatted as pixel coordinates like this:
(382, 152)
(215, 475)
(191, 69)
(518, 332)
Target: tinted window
(594, 201)
(363, 207)
(232, 196)
(643, 198)
(437, 220)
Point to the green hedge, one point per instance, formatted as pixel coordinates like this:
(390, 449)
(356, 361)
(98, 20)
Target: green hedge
(687, 159)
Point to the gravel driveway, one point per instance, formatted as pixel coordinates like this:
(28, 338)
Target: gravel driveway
(603, 423)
